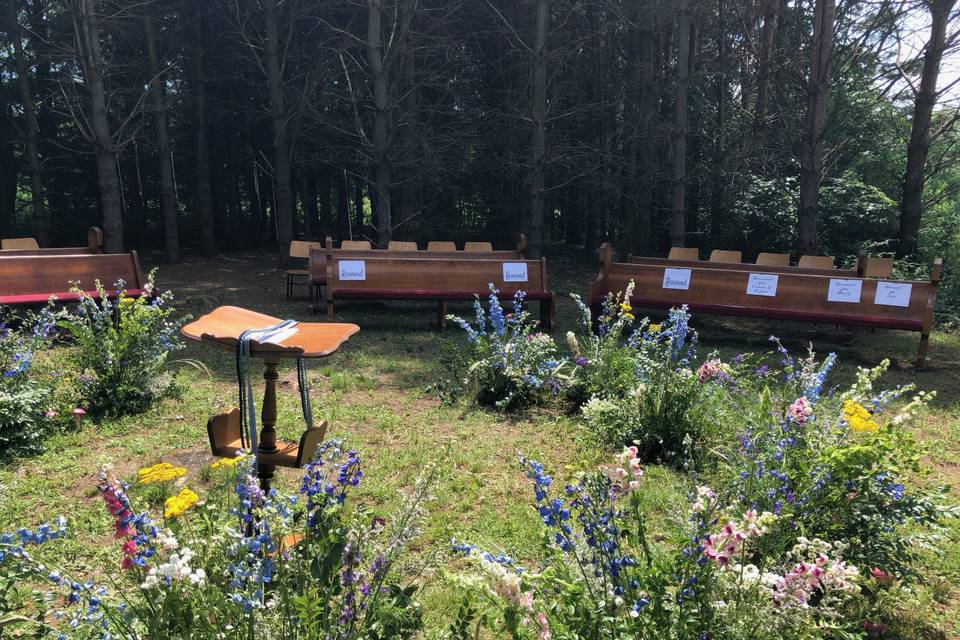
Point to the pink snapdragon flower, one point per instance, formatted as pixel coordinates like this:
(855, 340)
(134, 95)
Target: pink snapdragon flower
(625, 472)
(801, 410)
(722, 547)
(713, 369)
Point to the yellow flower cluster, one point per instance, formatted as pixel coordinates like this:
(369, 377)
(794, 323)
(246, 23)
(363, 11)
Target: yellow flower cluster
(654, 328)
(177, 505)
(162, 472)
(626, 309)
(226, 463)
(858, 417)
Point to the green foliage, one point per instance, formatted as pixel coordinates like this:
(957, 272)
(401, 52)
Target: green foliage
(598, 575)
(215, 569)
(638, 382)
(122, 347)
(836, 466)
(510, 366)
(28, 401)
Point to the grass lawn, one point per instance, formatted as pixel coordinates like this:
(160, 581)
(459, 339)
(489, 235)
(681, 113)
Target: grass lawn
(374, 394)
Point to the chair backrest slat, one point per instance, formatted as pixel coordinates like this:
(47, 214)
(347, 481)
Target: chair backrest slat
(301, 248)
(401, 245)
(720, 255)
(878, 267)
(19, 243)
(478, 246)
(362, 245)
(816, 262)
(684, 253)
(773, 259)
(441, 245)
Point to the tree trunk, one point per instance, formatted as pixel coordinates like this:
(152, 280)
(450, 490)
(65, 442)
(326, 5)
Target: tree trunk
(647, 108)
(205, 209)
(811, 157)
(323, 193)
(911, 209)
(716, 190)
(539, 137)
(8, 164)
(358, 217)
(87, 30)
(308, 192)
(767, 34)
(343, 206)
(283, 205)
(381, 123)
(168, 197)
(41, 222)
(680, 131)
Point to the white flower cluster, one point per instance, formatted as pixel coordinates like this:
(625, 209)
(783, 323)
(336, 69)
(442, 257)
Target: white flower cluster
(176, 565)
(815, 572)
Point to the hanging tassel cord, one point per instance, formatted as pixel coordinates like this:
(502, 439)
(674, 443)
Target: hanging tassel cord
(248, 410)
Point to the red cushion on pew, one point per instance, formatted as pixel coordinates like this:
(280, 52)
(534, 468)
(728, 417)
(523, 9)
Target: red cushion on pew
(68, 296)
(428, 294)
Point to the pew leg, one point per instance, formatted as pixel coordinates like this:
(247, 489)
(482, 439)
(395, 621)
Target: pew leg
(441, 315)
(330, 309)
(546, 314)
(922, 352)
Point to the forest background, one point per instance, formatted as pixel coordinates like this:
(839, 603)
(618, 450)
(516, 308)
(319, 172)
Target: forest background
(808, 126)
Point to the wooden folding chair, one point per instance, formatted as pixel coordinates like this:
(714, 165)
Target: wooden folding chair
(684, 253)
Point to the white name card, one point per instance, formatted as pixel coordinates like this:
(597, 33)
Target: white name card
(352, 269)
(844, 290)
(676, 278)
(515, 272)
(893, 294)
(762, 284)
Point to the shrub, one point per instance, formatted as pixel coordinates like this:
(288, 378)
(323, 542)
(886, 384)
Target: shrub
(28, 403)
(267, 566)
(122, 347)
(599, 576)
(510, 366)
(639, 382)
(837, 465)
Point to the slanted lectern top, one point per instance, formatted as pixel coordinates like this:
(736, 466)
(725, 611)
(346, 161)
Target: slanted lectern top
(223, 326)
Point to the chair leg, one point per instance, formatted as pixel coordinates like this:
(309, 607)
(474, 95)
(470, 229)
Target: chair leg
(441, 315)
(922, 352)
(546, 314)
(330, 309)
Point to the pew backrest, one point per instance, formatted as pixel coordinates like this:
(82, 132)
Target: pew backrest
(33, 279)
(840, 299)
(433, 277)
(94, 245)
(666, 262)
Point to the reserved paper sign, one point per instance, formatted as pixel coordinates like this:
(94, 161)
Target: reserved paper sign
(844, 291)
(676, 278)
(893, 294)
(352, 269)
(762, 284)
(515, 272)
